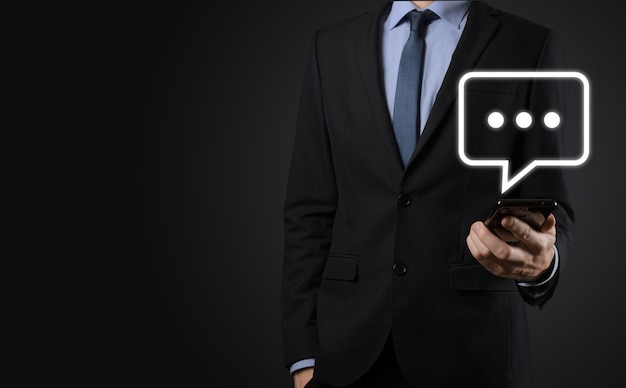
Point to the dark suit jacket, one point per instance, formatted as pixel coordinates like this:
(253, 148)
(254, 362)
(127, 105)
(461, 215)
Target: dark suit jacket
(373, 248)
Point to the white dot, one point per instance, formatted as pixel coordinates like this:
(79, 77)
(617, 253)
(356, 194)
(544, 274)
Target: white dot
(495, 120)
(552, 120)
(523, 120)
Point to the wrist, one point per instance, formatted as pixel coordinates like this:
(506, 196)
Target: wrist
(546, 275)
(302, 377)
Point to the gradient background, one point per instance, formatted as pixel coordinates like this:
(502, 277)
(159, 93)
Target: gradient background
(202, 105)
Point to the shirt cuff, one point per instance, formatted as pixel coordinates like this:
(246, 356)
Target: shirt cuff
(555, 267)
(306, 363)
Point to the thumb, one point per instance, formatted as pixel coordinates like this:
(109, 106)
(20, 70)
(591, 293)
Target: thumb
(548, 224)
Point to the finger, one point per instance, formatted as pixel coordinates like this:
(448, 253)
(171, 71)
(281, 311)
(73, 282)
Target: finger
(482, 254)
(521, 230)
(498, 248)
(477, 248)
(536, 248)
(549, 225)
(472, 246)
(501, 262)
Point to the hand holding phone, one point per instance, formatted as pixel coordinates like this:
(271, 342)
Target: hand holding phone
(531, 211)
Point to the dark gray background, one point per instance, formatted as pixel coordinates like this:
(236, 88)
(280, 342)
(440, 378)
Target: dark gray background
(202, 108)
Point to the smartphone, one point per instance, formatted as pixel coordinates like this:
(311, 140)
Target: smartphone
(532, 211)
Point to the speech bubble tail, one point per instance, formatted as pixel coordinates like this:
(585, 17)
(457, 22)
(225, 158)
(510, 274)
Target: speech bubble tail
(506, 185)
(509, 183)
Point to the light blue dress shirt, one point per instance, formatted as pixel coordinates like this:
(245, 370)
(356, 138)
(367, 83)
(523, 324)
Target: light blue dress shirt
(441, 39)
(444, 34)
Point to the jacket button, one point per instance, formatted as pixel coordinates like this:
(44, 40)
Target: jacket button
(400, 269)
(404, 200)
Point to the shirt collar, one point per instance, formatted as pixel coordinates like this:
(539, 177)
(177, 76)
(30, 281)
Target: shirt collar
(450, 11)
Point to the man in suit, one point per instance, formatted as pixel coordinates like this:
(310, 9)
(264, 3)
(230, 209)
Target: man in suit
(390, 279)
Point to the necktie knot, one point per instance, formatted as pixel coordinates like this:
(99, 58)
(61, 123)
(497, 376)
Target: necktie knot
(419, 20)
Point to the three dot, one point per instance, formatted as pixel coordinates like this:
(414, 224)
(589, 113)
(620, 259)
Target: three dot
(495, 120)
(523, 120)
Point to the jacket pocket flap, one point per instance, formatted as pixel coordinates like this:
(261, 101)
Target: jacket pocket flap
(475, 277)
(340, 268)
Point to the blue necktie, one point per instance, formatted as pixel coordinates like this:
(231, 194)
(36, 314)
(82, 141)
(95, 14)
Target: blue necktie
(406, 118)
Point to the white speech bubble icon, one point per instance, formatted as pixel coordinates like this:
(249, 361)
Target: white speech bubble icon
(504, 164)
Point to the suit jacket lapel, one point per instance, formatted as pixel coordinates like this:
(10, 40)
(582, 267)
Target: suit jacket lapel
(478, 31)
(369, 53)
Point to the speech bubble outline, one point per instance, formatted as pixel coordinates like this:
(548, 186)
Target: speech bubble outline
(505, 163)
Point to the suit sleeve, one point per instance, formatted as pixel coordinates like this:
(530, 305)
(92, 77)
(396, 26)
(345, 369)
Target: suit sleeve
(549, 182)
(310, 205)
